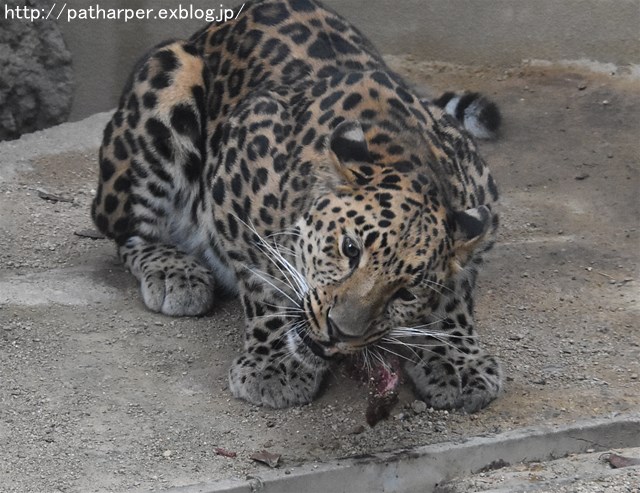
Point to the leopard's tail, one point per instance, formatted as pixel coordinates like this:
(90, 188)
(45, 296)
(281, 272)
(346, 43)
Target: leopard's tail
(477, 114)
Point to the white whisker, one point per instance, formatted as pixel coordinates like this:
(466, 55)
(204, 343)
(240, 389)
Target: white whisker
(285, 232)
(277, 259)
(290, 277)
(409, 346)
(269, 252)
(384, 363)
(286, 308)
(401, 356)
(424, 345)
(257, 273)
(411, 333)
(277, 315)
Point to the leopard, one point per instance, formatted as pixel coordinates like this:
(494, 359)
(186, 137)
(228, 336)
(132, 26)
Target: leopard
(276, 158)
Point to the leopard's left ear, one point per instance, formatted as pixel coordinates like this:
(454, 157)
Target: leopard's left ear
(473, 229)
(347, 145)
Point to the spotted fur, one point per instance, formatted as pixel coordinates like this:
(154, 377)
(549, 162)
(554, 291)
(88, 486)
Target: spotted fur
(276, 156)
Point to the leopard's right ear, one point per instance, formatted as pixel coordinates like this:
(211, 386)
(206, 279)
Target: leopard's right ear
(347, 145)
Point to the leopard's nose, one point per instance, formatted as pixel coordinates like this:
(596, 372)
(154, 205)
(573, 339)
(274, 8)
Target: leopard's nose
(334, 330)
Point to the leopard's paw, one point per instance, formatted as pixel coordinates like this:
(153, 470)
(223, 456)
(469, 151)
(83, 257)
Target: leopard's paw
(470, 387)
(270, 382)
(482, 380)
(436, 382)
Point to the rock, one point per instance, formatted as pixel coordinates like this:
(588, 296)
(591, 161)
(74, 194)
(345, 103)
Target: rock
(357, 430)
(36, 87)
(418, 406)
(271, 460)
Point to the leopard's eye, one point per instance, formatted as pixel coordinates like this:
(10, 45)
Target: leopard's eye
(350, 249)
(404, 295)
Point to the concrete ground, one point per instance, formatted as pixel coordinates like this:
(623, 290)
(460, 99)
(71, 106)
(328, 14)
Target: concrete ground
(97, 394)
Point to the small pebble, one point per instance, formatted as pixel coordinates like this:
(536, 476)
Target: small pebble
(419, 406)
(357, 430)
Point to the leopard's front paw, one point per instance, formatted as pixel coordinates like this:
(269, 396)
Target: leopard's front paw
(481, 382)
(274, 382)
(442, 385)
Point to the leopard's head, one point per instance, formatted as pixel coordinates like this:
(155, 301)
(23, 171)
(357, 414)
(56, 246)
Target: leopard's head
(377, 246)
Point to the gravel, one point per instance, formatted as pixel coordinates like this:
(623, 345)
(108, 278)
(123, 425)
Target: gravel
(97, 394)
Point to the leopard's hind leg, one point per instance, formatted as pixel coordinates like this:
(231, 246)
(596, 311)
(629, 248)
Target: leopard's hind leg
(150, 196)
(171, 282)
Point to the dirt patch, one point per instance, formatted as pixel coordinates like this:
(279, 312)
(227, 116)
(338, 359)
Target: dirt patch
(98, 394)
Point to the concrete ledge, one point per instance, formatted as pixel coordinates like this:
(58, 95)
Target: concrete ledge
(422, 468)
(79, 136)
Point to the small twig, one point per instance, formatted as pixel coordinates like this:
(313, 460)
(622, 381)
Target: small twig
(591, 269)
(52, 197)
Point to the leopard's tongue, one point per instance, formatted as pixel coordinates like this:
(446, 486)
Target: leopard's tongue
(383, 382)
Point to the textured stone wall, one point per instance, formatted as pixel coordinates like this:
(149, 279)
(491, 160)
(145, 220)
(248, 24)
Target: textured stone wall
(36, 75)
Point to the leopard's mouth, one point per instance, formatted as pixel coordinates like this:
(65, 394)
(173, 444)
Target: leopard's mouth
(332, 349)
(318, 348)
(328, 350)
